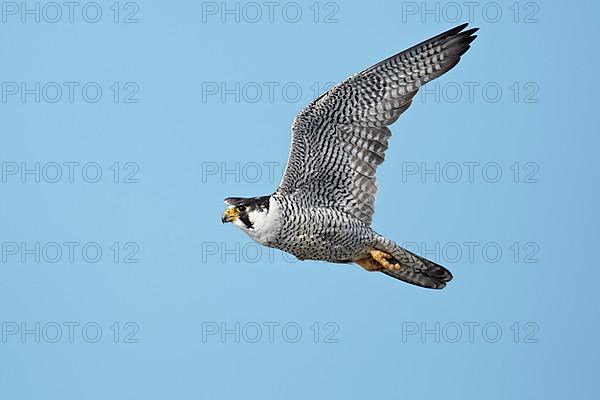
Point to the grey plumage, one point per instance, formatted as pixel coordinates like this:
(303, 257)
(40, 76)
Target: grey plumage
(326, 200)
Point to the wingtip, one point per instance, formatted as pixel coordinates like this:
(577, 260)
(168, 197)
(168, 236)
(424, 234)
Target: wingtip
(455, 30)
(462, 26)
(470, 32)
(459, 31)
(471, 38)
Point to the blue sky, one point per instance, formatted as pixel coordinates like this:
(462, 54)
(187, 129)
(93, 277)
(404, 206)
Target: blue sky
(126, 124)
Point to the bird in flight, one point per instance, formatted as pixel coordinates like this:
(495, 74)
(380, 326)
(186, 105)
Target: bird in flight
(325, 203)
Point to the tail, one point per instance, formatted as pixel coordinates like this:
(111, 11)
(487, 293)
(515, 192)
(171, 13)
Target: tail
(418, 271)
(397, 262)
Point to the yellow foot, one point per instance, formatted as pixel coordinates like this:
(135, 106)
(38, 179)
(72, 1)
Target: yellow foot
(377, 261)
(382, 258)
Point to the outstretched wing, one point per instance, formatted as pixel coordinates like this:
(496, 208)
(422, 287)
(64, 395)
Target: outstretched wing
(340, 139)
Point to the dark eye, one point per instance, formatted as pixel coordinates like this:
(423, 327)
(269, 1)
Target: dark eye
(242, 208)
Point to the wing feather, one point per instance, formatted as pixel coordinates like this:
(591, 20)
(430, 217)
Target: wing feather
(340, 139)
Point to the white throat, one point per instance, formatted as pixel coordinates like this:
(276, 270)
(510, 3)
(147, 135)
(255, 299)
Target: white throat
(266, 226)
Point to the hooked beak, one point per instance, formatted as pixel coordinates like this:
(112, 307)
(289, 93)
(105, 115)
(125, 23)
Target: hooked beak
(231, 214)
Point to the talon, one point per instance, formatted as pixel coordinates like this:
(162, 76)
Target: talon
(377, 261)
(382, 258)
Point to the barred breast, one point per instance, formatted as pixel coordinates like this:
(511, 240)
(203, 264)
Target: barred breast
(319, 233)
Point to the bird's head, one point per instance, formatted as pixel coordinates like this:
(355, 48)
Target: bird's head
(249, 214)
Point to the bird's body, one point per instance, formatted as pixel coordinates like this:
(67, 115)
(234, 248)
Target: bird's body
(324, 205)
(318, 233)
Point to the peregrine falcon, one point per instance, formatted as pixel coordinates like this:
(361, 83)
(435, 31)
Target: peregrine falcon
(325, 202)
